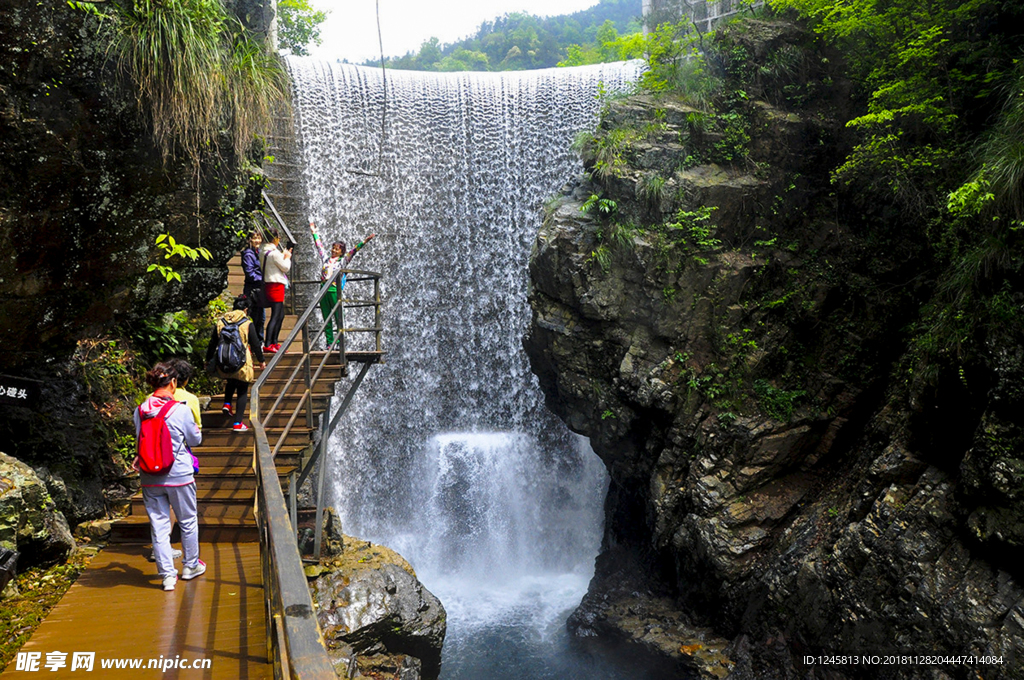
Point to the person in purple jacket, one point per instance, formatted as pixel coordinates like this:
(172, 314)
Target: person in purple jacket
(176, 489)
(253, 280)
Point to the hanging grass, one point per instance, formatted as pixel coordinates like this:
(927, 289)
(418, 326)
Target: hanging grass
(258, 87)
(195, 71)
(1002, 154)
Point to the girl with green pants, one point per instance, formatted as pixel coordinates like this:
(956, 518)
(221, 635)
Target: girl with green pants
(332, 260)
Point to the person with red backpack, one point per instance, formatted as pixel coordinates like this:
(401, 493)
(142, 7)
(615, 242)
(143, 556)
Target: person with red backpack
(165, 430)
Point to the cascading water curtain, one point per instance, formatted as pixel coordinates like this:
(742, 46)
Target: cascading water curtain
(448, 453)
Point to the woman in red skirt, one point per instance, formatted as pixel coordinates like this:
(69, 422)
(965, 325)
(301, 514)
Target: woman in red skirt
(276, 263)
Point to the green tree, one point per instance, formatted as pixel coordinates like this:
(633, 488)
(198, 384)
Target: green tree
(927, 67)
(430, 54)
(464, 60)
(298, 25)
(608, 46)
(524, 41)
(940, 140)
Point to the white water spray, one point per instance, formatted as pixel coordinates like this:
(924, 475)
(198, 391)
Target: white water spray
(448, 454)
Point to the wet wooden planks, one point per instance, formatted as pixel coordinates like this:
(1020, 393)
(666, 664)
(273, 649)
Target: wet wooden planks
(118, 610)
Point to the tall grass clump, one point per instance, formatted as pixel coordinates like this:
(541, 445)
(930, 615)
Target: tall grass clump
(1002, 153)
(194, 70)
(258, 87)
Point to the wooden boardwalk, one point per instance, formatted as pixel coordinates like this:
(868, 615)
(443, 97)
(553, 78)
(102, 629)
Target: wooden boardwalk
(117, 610)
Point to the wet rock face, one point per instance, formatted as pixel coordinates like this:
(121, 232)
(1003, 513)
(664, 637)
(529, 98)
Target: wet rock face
(775, 489)
(370, 603)
(30, 522)
(84, 193)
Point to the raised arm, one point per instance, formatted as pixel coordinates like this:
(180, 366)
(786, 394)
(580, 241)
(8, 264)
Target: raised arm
(359, 246)
(318, 242)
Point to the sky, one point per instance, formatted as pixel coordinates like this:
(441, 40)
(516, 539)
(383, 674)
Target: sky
(350, 31)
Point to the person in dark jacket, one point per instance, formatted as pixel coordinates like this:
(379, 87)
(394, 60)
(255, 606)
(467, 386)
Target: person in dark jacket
(237, 386)
(253, 281)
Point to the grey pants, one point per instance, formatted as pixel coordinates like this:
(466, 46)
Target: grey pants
(159, 501)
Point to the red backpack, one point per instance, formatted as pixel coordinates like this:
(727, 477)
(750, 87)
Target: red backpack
(156, 452)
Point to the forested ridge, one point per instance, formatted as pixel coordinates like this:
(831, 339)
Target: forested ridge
(521, 41)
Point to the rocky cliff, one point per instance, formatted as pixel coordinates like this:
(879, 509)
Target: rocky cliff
(732, 331)
(84, 193)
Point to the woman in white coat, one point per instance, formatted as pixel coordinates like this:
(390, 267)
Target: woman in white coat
(276, 263)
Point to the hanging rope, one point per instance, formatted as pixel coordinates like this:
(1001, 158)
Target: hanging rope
(384, 108)
(384, 83)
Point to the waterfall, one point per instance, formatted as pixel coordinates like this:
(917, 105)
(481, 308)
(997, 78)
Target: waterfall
(448, 453)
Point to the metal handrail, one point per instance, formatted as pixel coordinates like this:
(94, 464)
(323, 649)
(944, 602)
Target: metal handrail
(294, 640)
(277, 218)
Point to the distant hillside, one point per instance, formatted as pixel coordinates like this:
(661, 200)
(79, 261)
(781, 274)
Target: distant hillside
(521, 41)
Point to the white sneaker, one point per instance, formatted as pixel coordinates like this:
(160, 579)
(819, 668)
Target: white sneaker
(189, 573)
(169, 581)
(175, 555)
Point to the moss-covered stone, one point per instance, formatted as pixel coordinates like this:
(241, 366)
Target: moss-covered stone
(30, 522)
(371, 607)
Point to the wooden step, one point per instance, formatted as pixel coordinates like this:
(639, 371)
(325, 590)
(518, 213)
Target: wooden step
(241, 452)
(298, 436)
(324, 387)
(274, 386)
(210, 469)
(294, 355)
(289, 402)
(225, 513)
(241, 464)
(211, 503)
(207, 480)
(278, 420)
(135, 529)
(329, 375)
(220, 494)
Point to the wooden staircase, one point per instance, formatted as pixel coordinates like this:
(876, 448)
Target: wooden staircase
(226, 484)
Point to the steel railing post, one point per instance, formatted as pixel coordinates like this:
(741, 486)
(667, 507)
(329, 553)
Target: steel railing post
(308, 374)
(376, 311)
(293, 504)
(342, 355)
(325, 434)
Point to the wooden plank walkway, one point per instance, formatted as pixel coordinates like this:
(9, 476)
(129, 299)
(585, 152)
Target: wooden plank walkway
(118, 610)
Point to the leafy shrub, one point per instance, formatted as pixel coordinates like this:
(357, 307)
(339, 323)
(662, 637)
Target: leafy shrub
(181, 334)
(776, 403)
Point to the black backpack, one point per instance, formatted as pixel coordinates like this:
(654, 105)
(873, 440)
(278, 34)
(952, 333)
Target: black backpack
(231, 351)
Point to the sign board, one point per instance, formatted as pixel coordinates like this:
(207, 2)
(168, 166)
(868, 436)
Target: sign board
(18, 391)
